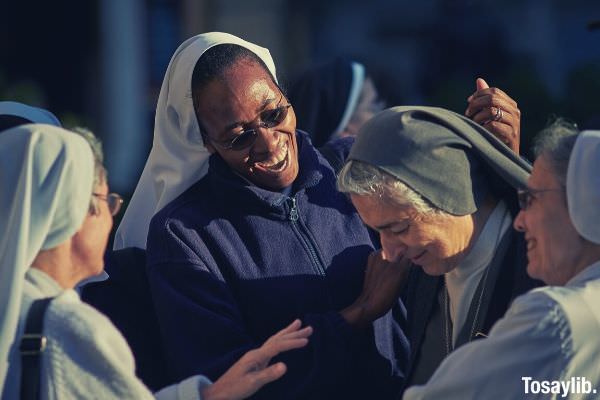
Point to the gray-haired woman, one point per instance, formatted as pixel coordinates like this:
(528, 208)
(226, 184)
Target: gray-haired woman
(55, 220)
(441, 192)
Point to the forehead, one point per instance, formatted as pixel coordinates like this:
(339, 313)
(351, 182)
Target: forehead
(377, 211)
(542, 175)
(241, 83)
(238, 95)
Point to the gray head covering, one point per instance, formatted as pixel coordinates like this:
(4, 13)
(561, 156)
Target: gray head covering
(583, 185)
(441, 155)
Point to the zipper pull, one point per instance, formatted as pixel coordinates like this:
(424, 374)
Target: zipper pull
(293, 210)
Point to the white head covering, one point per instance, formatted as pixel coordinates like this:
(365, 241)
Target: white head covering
(46, 178)
(178, 157)
(358, 80)
(33, 114)
(583, 185)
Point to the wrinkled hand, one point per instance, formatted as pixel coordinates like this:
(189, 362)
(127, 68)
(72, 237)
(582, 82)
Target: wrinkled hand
(252, 371)
(381, 288)
(483, 108)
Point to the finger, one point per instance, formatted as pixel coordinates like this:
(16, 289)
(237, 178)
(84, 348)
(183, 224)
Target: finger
(290, 328)
(266, 375)
(302, 333)
(371, 262)
(385, 256)
(492, 92)
(283, 345)
(481, 84)
(489, 99)
(269, 350)
(506, 126)
(401, 262)
(490, 114)
(480, 103)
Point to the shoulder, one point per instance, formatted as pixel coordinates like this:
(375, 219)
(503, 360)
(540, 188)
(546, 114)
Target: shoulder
(86, 354)
(76, 326)
(182, 205)
(339, 146)
(174, 231)
(537, 314)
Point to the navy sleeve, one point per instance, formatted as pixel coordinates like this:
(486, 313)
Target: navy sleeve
(203, 331)
(340, 146)
(336, 151)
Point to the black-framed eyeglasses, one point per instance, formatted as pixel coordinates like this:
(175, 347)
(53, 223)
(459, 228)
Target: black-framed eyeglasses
(265, 119)
(526, 195)
(114, 201)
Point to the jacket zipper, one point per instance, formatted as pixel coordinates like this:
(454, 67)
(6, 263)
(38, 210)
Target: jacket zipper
(305, 237)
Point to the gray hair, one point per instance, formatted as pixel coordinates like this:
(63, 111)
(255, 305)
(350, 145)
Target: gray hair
(555, 143)
(364, 179)
(100, 174)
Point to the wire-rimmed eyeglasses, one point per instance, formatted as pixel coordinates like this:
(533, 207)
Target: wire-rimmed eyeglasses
(114, 201)
(525, 196)
(265, 119)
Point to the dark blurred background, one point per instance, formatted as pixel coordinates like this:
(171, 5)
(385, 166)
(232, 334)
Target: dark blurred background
(100, 63)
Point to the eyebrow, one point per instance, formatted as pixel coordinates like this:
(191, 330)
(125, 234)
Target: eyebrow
(390, 224)
(260, 109)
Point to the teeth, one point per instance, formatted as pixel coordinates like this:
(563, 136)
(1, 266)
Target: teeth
(279, 157)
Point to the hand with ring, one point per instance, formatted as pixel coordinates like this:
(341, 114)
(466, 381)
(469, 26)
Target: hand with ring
(495, 110)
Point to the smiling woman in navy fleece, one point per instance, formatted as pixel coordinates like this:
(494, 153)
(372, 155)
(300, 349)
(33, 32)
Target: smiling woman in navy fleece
(264, 238)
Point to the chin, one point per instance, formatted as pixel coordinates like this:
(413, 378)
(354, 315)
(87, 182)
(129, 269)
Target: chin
(97, 268)
(533, 271)
(276, 181)
(436, 269)
(433, 270)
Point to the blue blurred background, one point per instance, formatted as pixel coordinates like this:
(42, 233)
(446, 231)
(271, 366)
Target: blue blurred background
(100, 63)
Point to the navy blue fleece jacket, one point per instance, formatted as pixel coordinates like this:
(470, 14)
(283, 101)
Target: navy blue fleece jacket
(230, 264)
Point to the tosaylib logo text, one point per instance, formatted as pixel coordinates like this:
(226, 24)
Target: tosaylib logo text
(575, 385)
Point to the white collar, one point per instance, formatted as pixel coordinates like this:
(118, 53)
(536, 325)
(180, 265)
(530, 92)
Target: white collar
(589, 273)
(463, 280)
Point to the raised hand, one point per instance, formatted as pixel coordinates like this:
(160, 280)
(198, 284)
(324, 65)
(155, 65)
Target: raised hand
(253, 371)
(495, 110)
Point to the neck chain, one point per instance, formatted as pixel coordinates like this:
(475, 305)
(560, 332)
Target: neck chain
(447, 328)
(447, 321)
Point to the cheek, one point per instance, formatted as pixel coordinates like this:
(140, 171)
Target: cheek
(236, 160)
(423, 237)
(442, 249)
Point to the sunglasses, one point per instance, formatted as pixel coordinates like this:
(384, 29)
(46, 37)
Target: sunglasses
(266, 119)
(526, 196)
(114, 201)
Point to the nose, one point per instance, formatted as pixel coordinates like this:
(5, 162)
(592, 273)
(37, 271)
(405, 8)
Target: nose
(393, 249)
(267, 140)
(519, 223)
